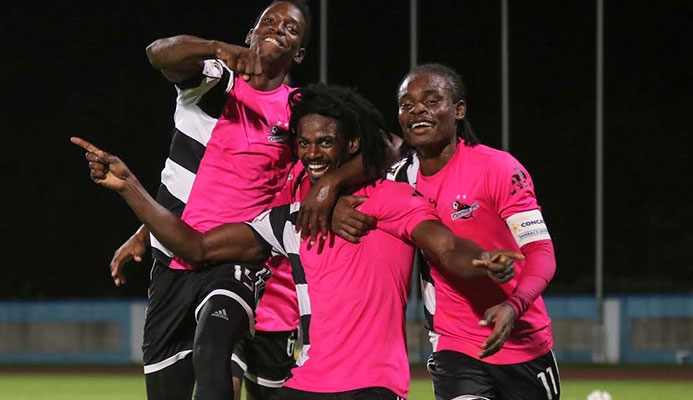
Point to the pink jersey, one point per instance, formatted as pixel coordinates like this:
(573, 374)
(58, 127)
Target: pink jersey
(353, 296)
(278, 307)
(475, 192)
(246, 162)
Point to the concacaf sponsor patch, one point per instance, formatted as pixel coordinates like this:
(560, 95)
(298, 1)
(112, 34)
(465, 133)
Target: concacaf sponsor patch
(528, 227)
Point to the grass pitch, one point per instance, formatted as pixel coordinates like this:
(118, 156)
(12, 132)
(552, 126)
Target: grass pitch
(114, 387)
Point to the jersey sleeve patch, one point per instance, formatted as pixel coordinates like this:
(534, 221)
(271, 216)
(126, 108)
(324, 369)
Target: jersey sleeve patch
(213, 69)
(527, 227)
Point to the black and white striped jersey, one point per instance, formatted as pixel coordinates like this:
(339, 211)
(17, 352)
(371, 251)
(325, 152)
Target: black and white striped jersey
(275, 229)
(199, 104)
(407, 170)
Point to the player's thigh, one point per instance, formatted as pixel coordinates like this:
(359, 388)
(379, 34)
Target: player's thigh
(537, 379)
(268, 358)
(174, 382)
(458, 376)
(169, 324)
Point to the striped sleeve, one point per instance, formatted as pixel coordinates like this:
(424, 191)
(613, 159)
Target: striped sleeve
(208, 90)
(199, 104)
(276, 230)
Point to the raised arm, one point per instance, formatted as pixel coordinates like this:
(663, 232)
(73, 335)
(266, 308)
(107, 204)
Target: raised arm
(181, 58)
(229, 242)
(462, 258)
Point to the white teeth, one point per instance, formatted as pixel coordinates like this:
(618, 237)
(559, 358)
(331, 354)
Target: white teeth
(273, 41)
(421, 124)
(317, 167)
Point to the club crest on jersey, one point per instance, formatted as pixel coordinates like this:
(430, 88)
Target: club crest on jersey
(518, 181)
(279, 133)
(463, 210)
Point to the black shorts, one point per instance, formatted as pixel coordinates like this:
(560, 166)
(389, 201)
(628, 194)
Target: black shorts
(456, 375)
(370, 393)
(177, 296)
(266, 359)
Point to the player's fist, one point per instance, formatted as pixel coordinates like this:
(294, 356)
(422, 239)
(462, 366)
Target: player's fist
(105, 169)
(244, 61)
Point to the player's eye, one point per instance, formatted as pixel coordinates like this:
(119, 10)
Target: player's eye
(432, 102)
(406, 106)
(268, 20)
(292, 30)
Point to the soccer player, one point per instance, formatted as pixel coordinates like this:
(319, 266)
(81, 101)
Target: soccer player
(488, 340)
(237, 163)
(351, 296)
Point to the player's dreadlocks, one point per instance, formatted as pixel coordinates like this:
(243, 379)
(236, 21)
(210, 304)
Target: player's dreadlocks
(305, 10)
(464, 130)
(356, 118)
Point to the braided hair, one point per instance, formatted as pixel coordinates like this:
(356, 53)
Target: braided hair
(356, 118)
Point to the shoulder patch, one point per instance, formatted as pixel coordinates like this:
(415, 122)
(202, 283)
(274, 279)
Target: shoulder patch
(213, 69)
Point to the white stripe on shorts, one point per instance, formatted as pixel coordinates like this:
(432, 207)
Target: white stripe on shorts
(264, 382)
(148, 369)
(239, 299)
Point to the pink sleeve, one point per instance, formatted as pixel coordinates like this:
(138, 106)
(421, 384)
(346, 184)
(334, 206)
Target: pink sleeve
(510, 186)
(398, 208)
(540, 265)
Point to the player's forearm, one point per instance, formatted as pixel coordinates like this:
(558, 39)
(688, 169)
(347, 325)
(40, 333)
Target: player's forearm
(453, 254)
(458, 260)
(180, 57)
(539, 268)
(170, 230)
(226, 243)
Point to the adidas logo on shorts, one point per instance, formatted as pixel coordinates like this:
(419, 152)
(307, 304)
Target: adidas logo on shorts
(220, 314)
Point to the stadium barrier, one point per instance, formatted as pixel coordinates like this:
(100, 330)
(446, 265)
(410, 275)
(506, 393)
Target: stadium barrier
(638, 329)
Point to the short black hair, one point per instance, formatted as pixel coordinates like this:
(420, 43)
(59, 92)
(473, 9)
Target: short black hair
(305, 10)
(459, 92)
(356, 118)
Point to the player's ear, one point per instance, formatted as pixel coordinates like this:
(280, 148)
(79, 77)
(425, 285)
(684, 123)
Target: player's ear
(354, 145)
(248, 36)
(300, 54)
(460, 110)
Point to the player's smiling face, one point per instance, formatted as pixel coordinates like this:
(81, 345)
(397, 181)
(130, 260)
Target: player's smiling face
(278, 33)
(320, 146)
(427, 113)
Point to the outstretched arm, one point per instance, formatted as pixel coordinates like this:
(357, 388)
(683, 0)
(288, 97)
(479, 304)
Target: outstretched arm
(463, 258)
(181, 57)
(229, 242)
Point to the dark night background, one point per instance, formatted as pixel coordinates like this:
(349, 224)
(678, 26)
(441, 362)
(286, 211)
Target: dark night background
(79, 68)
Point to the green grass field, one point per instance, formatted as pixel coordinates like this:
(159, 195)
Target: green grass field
(73, 387)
